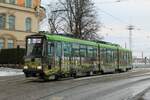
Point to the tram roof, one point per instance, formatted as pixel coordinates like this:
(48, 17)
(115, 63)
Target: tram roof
(85, 42)
(55, 37)
(68, 39)
(74, 40)
(124, 49)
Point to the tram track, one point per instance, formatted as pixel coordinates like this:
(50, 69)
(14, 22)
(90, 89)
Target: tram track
(22, 78)
(19, 88)
(109, 90)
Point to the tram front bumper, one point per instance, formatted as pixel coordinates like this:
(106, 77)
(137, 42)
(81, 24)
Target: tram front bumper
(32, 73)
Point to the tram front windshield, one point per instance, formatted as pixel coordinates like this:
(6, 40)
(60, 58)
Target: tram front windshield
(34, 47)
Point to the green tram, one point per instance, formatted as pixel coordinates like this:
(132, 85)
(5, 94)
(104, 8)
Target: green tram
(56, 56)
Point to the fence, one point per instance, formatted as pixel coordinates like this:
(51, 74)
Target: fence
(12, 57)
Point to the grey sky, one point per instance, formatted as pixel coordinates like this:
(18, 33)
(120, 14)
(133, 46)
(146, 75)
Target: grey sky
(116, 16)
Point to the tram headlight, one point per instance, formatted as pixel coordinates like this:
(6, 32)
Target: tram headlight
(25, 67)
(39, 67)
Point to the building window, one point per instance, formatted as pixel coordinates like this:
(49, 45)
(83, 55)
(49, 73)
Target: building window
(2, 21)
(10, 43)
(2, 1)
(28, 24)
(28, 3)
(1, 43)
(12, 1)
(11, 22)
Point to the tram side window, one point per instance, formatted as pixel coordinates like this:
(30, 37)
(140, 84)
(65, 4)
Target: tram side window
(115, 55)
(126, 58)
(75, 53)
(121, 57)
(58, 49)
(130, 58)
(58, 54)
(90, 51)
(127, 55)
(75, 50)
(95, 52)
(50, 48)
(103, 55)
(67, 49)
(50, 54)
(82, 50)
(109, 55)
(95, 56)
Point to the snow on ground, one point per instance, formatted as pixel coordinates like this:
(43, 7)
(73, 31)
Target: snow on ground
(141, 65)
(10, 71)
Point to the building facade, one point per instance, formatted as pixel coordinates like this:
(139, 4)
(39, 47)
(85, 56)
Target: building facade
(19, 18)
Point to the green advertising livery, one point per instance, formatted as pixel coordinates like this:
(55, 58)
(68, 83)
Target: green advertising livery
(51, 56)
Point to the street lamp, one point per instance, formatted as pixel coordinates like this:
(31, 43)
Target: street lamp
(130, 28)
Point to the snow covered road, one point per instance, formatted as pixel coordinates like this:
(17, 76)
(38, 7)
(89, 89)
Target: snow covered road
(10, 71)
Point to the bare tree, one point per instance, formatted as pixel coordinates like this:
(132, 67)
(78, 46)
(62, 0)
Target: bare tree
(55, 21)
(77, 17)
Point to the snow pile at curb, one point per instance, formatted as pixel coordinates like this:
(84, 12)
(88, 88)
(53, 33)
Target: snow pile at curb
(10, 71)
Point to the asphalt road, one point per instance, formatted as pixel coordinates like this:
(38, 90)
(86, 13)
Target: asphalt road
(121, 86)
